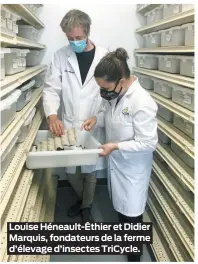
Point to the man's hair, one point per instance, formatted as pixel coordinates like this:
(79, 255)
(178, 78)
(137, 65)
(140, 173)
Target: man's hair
(76, 18)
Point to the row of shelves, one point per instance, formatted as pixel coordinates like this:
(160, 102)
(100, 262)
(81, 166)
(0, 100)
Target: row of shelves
(15, 41)
(169, 50)
(26, 195)
(36, 195)
(169, 235)
(29, 207)
(26, 15)
(171, 192)
(173, 78)
(160, 247)
(29, 18)
(12, 174)
(184, 173)
(11, 132)
(173, 107)
(146, 8)
(40, 206)
(12, 82)
(185, 143)
(180, 225)
(175, 20)
(182, 197)
(15, 210)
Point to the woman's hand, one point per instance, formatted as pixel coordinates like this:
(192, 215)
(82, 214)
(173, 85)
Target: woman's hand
(89, 124)
(56, 126)
(108, 148)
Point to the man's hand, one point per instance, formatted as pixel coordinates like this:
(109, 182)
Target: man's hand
(89, 124)
(108, 148)
(55, 125)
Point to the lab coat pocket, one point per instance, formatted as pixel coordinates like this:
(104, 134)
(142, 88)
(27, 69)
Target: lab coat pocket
(128, 120)
(127, 128)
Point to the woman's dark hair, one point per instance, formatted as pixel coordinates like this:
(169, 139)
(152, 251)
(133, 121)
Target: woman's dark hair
(113, 66)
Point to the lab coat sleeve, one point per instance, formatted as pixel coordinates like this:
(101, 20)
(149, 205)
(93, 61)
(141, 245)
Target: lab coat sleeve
(100, 119)
(101, 114)
(145, 129)
(52, 87)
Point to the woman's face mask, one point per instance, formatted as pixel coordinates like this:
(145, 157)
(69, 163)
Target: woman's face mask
(79, 45)
(110, 95)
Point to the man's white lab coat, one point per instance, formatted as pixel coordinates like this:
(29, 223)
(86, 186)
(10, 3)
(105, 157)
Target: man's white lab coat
(63, 81)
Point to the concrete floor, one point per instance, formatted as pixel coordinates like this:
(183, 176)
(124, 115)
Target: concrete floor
(101, 212)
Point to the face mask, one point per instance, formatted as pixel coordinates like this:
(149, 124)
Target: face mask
(109, 95)
(78, 46)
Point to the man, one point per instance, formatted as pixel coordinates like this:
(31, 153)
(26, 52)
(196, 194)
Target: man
(70, 80)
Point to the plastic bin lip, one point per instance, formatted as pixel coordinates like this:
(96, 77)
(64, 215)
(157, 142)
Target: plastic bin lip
(172, 28)
(8, 101)
(30, 117)
(153, 10)
(146, 55)
(35, 52)
(168, 56)
(152, 33)
(189, 25)
(27, 26)
(143, 76)
(66, 152)
(5, 50)
(24, 51)
(161, 81)
(13, 50)
(159, 7)
(11, 145)
(183, 89)
(186, 58)
(155, 33)
(27, 86)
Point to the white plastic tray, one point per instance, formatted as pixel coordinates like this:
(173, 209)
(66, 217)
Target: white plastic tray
(65, 158)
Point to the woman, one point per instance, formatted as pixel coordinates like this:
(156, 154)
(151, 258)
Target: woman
(128, 114)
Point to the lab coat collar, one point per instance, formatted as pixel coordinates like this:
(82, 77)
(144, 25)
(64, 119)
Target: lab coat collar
(95, 62)
(74, 62)
(133, 87)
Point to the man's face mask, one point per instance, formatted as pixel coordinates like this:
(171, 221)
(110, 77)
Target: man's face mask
(78, 46)
(110, 95)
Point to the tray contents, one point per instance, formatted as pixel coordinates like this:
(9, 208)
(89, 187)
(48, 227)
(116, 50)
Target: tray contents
(66, 142)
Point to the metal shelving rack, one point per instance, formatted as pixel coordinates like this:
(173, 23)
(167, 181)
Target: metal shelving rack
(25, 195)
(170, 203)
(26, 15)
(175, 20)
(174, 78)
(169, 50)
(13, 81)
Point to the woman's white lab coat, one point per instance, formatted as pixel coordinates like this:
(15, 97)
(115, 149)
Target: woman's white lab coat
(63, 84)
(132, 124)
